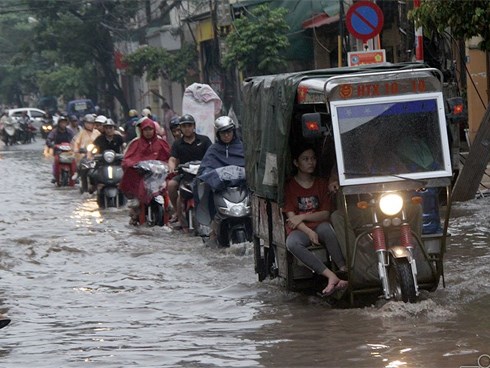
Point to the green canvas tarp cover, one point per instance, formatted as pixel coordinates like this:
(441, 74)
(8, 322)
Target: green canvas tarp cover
(267, 113)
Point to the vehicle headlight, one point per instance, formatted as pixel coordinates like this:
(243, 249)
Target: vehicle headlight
(390, 204)
(235, 209)
(109, 156)
(91, 148)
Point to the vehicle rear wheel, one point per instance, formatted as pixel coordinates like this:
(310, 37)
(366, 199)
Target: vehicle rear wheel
(156, 214)
(401, 280)
(83, 184)
(101, 199)
(259, 259)
(65, 178)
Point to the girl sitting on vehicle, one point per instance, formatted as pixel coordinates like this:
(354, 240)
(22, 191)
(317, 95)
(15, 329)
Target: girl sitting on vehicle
(307, 208)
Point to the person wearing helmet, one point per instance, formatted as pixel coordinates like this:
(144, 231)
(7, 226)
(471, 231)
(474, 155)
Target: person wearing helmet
(60, 135)
(147, 147)
(99, 122)
(174, 127)
(74, 126)
(130, 126)
(109, 140)
(80, 142)
(146, 113)
(86, 136)
(191, 147)
(226, 151)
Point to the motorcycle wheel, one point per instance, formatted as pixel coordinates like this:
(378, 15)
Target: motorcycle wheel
(223, 238)
(401, 280)
(101, 199)
(64, 179)
(259, 259)
(83, 184)
(156, 214)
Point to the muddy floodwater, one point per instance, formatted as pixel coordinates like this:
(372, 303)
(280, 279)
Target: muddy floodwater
(84, 289)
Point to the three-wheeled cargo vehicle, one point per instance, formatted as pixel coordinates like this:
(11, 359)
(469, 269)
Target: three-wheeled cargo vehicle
(380, 129)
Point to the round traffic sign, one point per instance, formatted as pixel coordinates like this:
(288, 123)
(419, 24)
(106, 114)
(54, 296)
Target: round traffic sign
(364, 20)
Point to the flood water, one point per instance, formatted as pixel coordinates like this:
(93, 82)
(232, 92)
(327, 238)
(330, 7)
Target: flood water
(84, 289)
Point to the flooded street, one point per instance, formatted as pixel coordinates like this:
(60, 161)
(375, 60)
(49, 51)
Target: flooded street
(84, 289)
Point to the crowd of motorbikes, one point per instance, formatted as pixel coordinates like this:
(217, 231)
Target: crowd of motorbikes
(17, 131)
(101, 172)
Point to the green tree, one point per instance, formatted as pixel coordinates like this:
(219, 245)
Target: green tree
(81, 36)
(17, 71)
(465, 19)
(256, 41)
(158, 62)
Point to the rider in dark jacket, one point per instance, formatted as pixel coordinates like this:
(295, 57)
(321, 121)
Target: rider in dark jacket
(60, 134)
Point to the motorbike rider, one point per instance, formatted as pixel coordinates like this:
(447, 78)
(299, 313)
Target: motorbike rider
(109, 140)
(60, 134)
(99, 122)
(85, 137)
(227, 150)
(147, 147)
(146, 113)
(130, 126)
(57, 136)
(191, 147)
(74, 125)
(175, 128)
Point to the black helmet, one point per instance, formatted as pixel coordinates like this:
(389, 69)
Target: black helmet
(187, 119)
(174, 122)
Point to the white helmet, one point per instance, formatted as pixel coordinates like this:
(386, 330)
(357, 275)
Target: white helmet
(223, 123)
(100, 119)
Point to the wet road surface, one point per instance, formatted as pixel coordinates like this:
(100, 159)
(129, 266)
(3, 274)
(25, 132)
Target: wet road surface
(84, 289)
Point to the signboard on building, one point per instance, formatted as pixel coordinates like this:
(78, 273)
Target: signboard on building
(357, 58)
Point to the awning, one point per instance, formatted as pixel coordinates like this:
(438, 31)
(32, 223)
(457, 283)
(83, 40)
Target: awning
(319, 20)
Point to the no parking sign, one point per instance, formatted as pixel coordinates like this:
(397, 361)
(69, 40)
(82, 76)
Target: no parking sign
(364, 20)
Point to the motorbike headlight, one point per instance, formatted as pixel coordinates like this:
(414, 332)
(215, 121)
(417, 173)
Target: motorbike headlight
(390, 204)
(109, 156)
(235, 209)
(91, 148)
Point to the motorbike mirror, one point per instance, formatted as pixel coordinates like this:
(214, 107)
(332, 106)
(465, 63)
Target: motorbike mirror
(311, 125)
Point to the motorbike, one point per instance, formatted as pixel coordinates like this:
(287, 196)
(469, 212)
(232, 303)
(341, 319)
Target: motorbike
(230, 196)
(86, 168)
(381, 131)
(152, 209)
(106, 173)
(10, 128)
(46, 128)
(26, 132)
(64, 165)
(186, 194)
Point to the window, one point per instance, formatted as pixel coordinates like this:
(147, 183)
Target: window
(385, 139)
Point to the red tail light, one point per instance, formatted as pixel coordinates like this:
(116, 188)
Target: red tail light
(312, 125)
(458, 109)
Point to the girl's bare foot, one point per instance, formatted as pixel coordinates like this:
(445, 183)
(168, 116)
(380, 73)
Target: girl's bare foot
(334, 283)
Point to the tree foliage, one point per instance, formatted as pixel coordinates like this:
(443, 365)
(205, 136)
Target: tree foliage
(465, 19)
(80, 36)
(256, 41)
(17, 71)
(158, 62)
